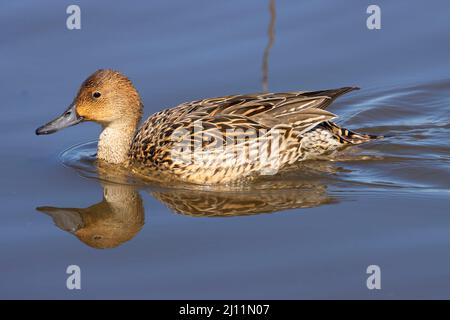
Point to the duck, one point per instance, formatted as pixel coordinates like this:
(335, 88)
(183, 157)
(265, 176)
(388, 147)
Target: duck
(210, 141)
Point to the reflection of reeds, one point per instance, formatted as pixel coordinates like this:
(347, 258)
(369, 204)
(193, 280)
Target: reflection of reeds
(271, 36)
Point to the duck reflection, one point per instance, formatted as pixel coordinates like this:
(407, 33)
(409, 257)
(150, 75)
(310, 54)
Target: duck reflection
(239, 203)
(120, 215)
(107, 224)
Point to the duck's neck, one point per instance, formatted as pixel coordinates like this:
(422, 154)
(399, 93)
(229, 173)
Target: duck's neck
(115, 141)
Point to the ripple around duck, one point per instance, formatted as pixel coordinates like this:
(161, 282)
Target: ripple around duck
(414, 156)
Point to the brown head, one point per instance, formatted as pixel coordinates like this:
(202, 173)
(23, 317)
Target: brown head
(106, 97)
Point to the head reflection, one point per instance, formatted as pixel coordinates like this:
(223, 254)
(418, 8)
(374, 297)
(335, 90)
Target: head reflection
(107, 224)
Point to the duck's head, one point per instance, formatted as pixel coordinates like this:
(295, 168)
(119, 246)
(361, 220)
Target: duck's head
(106, 97)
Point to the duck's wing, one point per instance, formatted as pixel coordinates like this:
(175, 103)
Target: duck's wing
(300, 109)
(275, 104)
(283, 107)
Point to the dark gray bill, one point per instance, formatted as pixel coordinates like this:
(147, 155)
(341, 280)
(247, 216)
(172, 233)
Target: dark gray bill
(67, 119)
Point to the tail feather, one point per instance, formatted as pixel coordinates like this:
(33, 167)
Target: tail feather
(332, 94)
(347, 136)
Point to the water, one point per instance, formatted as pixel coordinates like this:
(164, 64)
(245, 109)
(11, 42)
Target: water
(384, 203)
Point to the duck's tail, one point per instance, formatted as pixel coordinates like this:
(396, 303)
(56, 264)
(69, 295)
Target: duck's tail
(346, 136)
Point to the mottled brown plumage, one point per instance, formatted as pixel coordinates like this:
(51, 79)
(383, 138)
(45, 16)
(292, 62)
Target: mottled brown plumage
(210, 141)
(296, 120)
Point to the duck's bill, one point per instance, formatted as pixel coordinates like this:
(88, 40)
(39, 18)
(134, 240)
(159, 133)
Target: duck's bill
(67, 119)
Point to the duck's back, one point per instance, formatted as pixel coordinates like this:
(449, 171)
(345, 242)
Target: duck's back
(224, 139)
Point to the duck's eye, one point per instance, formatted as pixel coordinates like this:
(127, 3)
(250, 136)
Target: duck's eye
(96, 94)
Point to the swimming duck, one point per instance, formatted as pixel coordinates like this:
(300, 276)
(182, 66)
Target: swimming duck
(210, 141)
